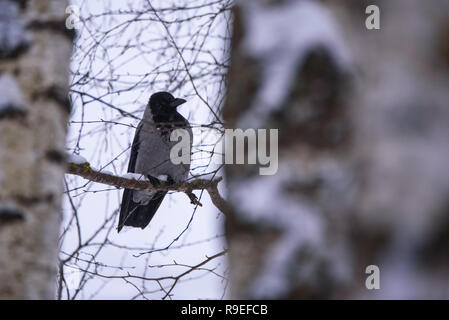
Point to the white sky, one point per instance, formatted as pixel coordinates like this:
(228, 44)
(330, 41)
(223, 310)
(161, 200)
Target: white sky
(101, 143)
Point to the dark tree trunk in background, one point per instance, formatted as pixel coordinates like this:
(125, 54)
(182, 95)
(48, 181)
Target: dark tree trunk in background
(363, 149)
(35, 51)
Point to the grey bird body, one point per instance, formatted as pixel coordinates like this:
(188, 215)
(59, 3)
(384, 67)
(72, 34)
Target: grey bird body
(150, 156)
(154, 156)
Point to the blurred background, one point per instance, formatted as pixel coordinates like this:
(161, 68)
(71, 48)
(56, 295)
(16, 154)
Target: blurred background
(358, 91)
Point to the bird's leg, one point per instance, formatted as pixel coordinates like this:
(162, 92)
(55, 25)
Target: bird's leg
(155, 182)
(193, 198)
(170, 181)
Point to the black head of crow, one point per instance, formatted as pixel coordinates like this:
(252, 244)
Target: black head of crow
(150, 156)
(163, 104)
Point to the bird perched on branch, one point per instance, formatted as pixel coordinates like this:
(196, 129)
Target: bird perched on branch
(150, 156)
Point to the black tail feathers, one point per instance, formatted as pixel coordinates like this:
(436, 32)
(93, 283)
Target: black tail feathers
(137, 215)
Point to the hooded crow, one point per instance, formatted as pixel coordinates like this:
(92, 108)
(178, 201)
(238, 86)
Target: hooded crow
(150, 156)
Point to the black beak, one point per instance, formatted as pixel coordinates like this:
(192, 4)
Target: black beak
(177, 102)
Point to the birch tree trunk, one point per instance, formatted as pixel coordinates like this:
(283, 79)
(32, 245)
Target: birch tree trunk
(363, 173)
(35, 49)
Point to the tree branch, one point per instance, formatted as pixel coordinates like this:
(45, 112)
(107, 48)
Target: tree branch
(211, 186)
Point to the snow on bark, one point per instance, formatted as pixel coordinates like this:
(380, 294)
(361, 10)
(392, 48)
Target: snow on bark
(134, 176)
(9, 212)
(400, 116)
(279, 37)
(301, 224)
(278, 41)
(11, 101)
(13, 36)
(76, 159)
(363, 176)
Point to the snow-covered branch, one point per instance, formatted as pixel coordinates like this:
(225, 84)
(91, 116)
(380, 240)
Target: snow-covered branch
(130, 182)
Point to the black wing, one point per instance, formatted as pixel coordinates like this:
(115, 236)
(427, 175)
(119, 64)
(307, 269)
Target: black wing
(128, 206)
(134, 150)
(131, 213)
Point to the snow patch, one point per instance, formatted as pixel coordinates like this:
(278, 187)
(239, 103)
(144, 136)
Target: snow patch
(10, 95)
(163, 177)
(279, 38)
(76, 159)
(134, 176)
(10, 212)
(13, 35)
(206, 176)
(301, 223)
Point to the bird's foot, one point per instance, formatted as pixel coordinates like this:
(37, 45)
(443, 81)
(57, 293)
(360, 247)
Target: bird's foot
(155, 182)
(193, 199)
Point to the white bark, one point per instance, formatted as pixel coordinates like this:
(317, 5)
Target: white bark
(34, 71)
(363, 180)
